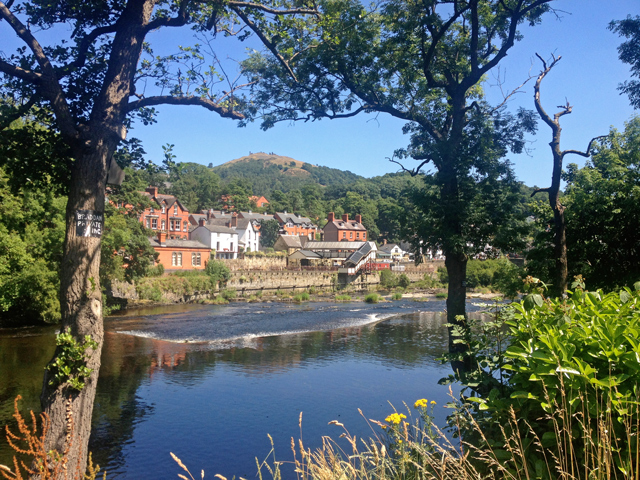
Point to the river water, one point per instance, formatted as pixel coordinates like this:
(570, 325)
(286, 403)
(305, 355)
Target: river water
(208, 383)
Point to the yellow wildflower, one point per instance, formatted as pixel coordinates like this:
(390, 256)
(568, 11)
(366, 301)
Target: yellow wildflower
(420, 403)
(433, 402)
(395, 418)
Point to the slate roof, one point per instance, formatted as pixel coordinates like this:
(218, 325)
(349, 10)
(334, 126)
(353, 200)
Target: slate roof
(359, 254)
(290, 241)
(219, 229)
(305, 254)
(177, 243)
(388, 247)
(169, 200)
(315, 246)
(348, 225)
(255, 216)
(243, 223)
(293, 218)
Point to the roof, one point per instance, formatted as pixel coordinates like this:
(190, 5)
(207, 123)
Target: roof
(293, 218)
(243, 223)
(255, 216)
(315, 246)
(359, 254)
(304, 254)
(292, 241)
(219, 229)
(387, 248)
(169, 200)
(177, 243)
(348, 225)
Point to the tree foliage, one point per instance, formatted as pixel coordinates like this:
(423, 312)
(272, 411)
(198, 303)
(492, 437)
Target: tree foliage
(629, 52)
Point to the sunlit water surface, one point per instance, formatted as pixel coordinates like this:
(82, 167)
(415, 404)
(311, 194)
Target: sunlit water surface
(208, 383)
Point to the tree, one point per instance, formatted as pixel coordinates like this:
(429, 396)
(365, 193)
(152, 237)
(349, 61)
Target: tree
(269, 230)
(94, 84)
(422, 62)
(603, 198)
(560, 278)
(629, 52)
(196, 186)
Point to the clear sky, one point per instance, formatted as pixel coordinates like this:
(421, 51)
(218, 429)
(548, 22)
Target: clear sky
(587, 76)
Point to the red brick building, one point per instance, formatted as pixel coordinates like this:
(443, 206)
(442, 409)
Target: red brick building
(180, 254)
(292, 224)
(344, 230)
(167, 215)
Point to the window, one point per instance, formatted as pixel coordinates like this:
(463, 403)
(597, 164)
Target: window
(357, 234)
(350, 235)
(174, 259)
(163, 209)
(151, 210)
(171, 225)
(184, 226)
(231, 247)
(179, 259)
(148, 223)
(217, 246)
(344, 234)
(195, 259)
(164, 225)
(154, 223)
(175, 209)
(364, 236)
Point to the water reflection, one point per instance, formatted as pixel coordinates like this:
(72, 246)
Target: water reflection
(213, 402)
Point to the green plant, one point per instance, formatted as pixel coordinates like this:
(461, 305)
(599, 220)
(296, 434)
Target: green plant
(342, 298)
(228, 294)
(388, 279)
(372, 298)
(403, 281)
(396, 296)
(218, 271)
(70, 364)
(441, 295)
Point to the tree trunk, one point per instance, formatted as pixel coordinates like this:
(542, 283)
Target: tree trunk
(560, 284)
(456, 306)
(69, 411)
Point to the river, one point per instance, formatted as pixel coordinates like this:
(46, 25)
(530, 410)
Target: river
(208, 383)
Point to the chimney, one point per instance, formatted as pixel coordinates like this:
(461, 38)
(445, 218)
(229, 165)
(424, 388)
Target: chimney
(234, 220)
(359, 218)
(345, 217)
(201, 222)
(331, 217)
(384, 242)
(162, 238)
(152, 190)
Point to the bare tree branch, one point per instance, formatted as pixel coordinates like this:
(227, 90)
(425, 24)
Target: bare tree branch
(414, 171)
(190, 100)
(586, 154)
(178, 21)
(21, 73)
(538, 190)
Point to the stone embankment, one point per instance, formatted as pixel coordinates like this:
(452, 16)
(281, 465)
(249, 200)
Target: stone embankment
(270, 274)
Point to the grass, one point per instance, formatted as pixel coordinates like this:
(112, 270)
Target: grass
(442, 295)
(396, 296)
(372, 298)
(343, 298)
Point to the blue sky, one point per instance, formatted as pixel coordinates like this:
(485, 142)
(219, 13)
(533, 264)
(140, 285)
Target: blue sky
(587, 76)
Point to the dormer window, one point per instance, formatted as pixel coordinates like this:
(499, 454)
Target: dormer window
(175, 209)
(163, 209)
(151, 210)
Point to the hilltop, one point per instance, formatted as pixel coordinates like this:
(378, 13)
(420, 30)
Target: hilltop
(267, 172)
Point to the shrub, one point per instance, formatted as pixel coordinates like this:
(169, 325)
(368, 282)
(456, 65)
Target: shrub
(149, 292)
(372, 298)
(442, 295)
(388, 279)
(396, 296)
(342, 298)
(218, 271)
(569, 368)
(156, 271)
(228, 294)
(403, 281)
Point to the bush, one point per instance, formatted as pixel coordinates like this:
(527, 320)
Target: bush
(396, 296)
(228, 294)
(156, 271)
(372, 298)
(218, 271)
(403, 281)
(442, 295)
(149, 292)
(342, 298)
(388, 279)
(571, 366)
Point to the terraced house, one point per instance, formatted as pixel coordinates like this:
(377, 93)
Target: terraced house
(344, 230)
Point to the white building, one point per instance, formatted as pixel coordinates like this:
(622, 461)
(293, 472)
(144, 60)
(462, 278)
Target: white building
(248, 237)
(224, 240)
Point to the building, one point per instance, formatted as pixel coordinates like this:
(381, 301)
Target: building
(292, 224)
(222, 239)
(167, 214)
(391, 252)
(180, 254)
(259, 201)
(344, 230)
(248, 237)
(288, 243)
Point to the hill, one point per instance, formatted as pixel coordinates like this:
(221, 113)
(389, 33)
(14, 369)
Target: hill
(267, 172)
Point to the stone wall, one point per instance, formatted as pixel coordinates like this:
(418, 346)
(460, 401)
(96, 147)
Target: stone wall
(251, 281)
(256, 263)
